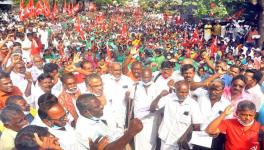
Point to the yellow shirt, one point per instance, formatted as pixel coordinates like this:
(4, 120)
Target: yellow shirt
(7, 139)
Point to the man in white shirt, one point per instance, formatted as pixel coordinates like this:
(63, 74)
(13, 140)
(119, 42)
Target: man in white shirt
(180, 112)
(142, 97)
(44, 85)
(166, 74)
(22, 79)
(55, 118)
(53, 70)
(37, 67)
(212, 104)
(116, 100)
(253, 77)
(90, 126)
(26, 47)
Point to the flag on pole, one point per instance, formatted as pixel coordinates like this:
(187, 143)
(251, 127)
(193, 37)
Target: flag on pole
(34, 48)
(39, 8)
(76, 8)
(31, 8)
(65, 7)
(47, 9)
(195, 36)
(124, 31)
(78, 27)
(22, 10)
(55, 10)
(213, 47)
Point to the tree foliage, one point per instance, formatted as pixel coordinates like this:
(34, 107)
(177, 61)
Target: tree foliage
(198, 8)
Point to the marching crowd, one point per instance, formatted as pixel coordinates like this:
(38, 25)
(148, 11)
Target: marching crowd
(118, 79)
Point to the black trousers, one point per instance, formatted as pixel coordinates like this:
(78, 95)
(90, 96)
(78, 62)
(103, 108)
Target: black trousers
(217, 144)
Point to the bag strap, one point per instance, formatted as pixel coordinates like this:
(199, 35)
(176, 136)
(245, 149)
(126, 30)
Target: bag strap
(156, 78)
(131, 106)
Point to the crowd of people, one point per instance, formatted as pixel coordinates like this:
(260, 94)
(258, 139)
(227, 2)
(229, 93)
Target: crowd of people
(126, 79)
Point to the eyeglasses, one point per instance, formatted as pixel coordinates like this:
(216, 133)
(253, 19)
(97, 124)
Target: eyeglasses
(62, 118)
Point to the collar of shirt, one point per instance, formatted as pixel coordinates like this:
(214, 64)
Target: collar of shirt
(254, 89)
(185, 102)
(89, 120)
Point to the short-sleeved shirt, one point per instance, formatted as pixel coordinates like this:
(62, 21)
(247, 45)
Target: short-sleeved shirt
(236, 138)
(177, 117)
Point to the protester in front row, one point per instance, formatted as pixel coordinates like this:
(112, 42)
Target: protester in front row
(142, 96)
(14, 120)
(36, 138)
(181, 113)
(115, 108)
(69, 94)
(91, 110)
(242, 133)
(55, 118)
(21, 102)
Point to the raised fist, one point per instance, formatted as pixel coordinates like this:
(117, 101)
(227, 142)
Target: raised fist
(135, 126)
(164, 93)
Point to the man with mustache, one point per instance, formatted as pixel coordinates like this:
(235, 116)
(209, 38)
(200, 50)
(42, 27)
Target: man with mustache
(69, 94)
(14, 120)
(243, 129)
(7, 88)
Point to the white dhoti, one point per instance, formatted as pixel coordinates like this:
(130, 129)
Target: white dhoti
(147, 138)
(165, 146)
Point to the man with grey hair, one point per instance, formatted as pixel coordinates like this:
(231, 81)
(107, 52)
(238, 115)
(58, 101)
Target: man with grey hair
(243, 129)
(180, 113)
(115, 108)
(91, 126)
(13, 119)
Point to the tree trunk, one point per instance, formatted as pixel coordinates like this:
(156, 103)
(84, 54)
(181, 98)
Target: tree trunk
(261, 24)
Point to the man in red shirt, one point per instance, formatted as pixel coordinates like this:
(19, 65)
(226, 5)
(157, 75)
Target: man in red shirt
(242, 133)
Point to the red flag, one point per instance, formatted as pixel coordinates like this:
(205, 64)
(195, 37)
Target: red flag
(195, 36)
(61, 50)
(22, 10)
(213, 47)
(65, 7)
(119, 20)
(124, 31)
(55, 10)
(92, 7)
(78, 27)
(186, 42)
(31, 8)
(69, 10)
(34, 48)
(200, 42)
(178, 19)
(39, 8)
(76, 8)
(46, 9)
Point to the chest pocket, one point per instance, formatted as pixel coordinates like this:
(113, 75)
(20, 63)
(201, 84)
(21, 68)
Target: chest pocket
(185, 117)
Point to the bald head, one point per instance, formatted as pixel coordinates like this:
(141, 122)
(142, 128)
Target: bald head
(116, 70)
(146, 75)
(182, 89)
(181, 83)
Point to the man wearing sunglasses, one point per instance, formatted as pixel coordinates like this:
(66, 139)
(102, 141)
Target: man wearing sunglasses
(55, 118)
